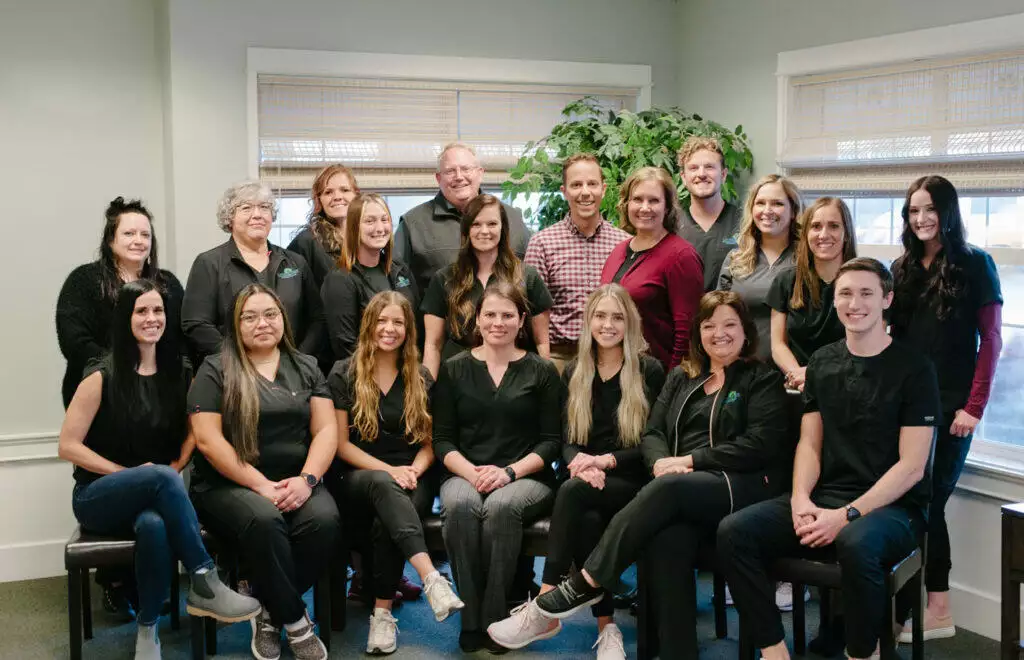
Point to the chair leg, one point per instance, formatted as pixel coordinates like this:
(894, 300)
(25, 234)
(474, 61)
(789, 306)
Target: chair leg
(211, 635)
(322, 607)
(86, 604)
(339, 595)
(799, 620)
(887, 644)
(197, 626)
(917, 644)
(175, 596)
(643, 615)
(75, 613)
(721, 618)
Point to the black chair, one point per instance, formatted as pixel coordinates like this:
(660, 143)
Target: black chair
(85, 551)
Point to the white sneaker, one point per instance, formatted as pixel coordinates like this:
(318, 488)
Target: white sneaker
(784, 596)
(728, 597)
(383, 638)
(525, 624)
(609, 644)
(441, 597)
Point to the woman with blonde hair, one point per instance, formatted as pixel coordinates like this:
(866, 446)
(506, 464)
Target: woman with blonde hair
(717, 440)
(320, 240)
(385, 439)
(611, 384)
(266, 433)
(366, 267)
(803, 314)
(767, 244)
(661, 271)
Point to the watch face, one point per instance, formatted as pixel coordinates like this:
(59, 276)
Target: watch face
(852, 513)
(310, 480)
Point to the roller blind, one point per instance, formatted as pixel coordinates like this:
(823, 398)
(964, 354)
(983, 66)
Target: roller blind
(391, 131)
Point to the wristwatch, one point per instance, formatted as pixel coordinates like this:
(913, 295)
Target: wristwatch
(311, 479)
(511, 473)
(852, 513)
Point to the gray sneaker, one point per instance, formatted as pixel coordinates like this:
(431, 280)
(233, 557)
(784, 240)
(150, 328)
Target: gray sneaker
(266, 639)
(147, 643)
(305, 644)
(208, 596)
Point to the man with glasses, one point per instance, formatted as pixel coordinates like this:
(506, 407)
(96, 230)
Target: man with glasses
(428, 236)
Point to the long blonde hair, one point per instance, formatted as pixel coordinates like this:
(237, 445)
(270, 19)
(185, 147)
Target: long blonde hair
(745, 259)
(366, 406)
(241, 408)
(350, 246)
(634, 406)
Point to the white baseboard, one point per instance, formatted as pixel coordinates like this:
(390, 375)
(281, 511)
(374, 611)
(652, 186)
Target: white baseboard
(30, 561)
(976, 610)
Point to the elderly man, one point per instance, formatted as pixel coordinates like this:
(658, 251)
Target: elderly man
(428, 236)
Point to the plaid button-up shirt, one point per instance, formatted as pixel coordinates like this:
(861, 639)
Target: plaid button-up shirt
(570, 265)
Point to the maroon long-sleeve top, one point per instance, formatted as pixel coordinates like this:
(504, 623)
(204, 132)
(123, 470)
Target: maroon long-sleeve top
(666, 283)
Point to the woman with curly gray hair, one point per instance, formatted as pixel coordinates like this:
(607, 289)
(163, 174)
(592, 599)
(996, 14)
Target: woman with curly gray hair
(246, 212)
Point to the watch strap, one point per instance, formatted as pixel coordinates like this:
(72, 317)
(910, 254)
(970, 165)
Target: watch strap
(510, 472)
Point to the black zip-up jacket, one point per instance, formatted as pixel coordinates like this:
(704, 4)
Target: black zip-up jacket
(750, 440)
(320, 262)
(346, 294)
(218, 275)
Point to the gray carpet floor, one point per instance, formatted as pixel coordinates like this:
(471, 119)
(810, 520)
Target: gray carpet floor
(33, 618)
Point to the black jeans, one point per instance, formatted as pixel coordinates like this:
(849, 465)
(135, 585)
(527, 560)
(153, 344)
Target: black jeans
(950, 455)
(389, 517)
(578, 520)
(283, 553)
(866, 549)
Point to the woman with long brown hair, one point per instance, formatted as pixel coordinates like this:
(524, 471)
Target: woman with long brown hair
(485, 257)
(320, 240)
(611, 384)
(803, 314)
(266, 433)
(385, 439)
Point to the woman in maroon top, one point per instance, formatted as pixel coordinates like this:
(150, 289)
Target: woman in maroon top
(661, 271)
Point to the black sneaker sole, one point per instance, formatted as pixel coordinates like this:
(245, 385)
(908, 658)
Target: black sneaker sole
(573, 610)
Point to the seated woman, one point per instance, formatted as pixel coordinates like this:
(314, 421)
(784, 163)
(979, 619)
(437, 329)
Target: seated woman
(126, 431)
(611, 385)
(454, 293)
(246, 212)
(384, 430)
(366, 268)
(496, 431)
(803, 313)
(319, 241)
(767, 242)
(717, 440)
(262, 416)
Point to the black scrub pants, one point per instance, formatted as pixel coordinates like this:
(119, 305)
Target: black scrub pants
(950, 456)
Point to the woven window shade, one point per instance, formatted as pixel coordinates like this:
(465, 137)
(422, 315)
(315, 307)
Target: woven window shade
(934, 111)
(391, 131)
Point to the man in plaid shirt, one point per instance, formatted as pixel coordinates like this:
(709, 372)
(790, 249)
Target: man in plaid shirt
(569, 254)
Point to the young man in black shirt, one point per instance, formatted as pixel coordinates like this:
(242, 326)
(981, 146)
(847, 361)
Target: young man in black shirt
(860, 488)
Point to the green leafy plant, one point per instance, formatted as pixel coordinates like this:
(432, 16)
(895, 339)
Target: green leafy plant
(623, 141)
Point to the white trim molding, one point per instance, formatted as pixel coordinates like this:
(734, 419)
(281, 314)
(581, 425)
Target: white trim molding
(28, 447)
(334, 64)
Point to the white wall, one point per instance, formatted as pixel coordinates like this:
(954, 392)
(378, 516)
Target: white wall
(80, 124)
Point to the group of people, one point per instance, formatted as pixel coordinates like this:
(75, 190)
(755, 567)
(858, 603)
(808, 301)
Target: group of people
(628, 381)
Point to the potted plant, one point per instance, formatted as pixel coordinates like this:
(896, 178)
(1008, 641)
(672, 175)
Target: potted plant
(623, 141)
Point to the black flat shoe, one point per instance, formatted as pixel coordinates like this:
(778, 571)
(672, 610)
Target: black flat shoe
(471, 641)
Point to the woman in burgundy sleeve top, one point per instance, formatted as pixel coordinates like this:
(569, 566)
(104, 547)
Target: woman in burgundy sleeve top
(947, 301)
(661, 271)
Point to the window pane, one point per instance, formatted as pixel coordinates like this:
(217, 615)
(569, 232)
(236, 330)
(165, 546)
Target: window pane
(1005, 222)
(873, 220)
(974, 211)
(400, 204)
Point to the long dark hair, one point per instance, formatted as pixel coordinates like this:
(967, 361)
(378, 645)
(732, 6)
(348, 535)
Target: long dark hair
(123, 362)
(948, 281)
(110, 277)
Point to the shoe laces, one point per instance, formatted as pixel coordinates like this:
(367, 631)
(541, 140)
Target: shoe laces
(263, 625)
(526, 614)
(382, 620)
(610, 635)
(568, 592)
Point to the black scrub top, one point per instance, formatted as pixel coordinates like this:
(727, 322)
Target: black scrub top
(810, 327)
(952, 344)
(391, 446)
(435, 302)
(283, 431)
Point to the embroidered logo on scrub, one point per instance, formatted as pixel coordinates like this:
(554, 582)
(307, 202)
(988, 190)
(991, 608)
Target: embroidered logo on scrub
(731, 240)
(732, 397)
(403, 281)
(288, 272)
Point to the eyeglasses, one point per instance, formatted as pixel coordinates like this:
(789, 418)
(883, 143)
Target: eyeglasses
(452, 172)
(268, 315)
(249, 208)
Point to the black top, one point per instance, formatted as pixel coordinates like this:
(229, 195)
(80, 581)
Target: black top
(864, 401)
(952, 344)
(714, 244)
(218, 275)
(695, 422)
(346, 294)
(435, 302)
(84, 315)
(498, 425)
(392, 445)
(627, 263)
(810, 327)
(604, 421)
(283, 433)
(320, 262)
(152, 432)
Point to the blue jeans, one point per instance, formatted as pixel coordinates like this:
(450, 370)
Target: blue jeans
(150, 503)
